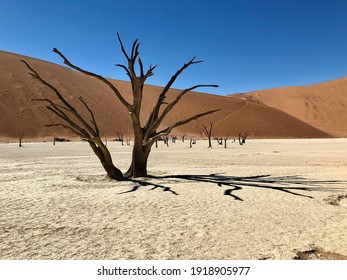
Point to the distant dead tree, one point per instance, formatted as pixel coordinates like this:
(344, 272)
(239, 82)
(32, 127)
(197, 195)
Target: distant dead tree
(182, 137)
(219, 140)
(166, 140)
(225, 138)
(127, 140)
(242, 137)
(57, 139)
(144, 135)
(173, 138)
(208, 131)
(20, 138)
(190, 143)
(120, 137)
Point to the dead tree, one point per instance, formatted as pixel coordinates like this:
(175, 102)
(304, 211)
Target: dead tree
(20, 138)
(219, 140)
(145, 134)
(166, 140)
(242, 137)
(74, 122)
(120, 137)
(173, 138)
(183, 136)
(208, 131)
(225, 138)
(192, 141)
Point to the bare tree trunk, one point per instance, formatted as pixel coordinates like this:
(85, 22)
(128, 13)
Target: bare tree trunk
(20, 138)
(120, 137)
(192, 142)
(225, 141)
(105, 158)
(138, 166)
(208, 131)
(183, 136)
(242, 137)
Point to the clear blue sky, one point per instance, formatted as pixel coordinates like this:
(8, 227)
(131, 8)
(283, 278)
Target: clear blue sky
(246, 44)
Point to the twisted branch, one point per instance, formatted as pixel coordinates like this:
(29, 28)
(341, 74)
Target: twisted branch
(99, 77)
(55, 108)
(155, 112)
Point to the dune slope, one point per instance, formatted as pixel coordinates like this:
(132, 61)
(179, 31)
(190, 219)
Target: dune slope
(322, 105)
(20, 114)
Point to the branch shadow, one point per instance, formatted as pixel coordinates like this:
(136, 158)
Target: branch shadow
(146, 184)
(293, 185)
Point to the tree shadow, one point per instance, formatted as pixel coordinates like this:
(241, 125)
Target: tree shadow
(146, 184)
(293, 185)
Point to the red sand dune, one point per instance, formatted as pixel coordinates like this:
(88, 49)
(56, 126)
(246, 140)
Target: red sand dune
(20, 114)
(322, 105)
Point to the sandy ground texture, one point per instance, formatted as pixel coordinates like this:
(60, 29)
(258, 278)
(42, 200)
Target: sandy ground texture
(269, 199)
